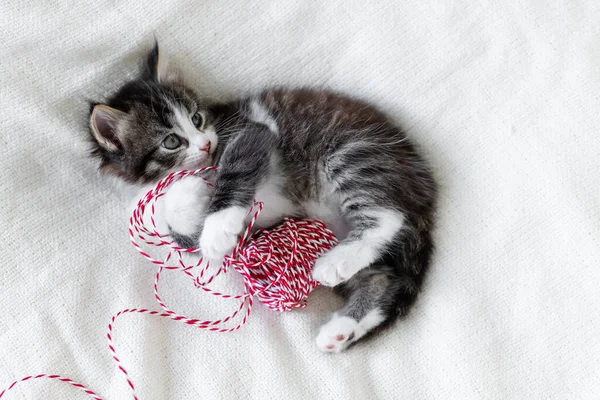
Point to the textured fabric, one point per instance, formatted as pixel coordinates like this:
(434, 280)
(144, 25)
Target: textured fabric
(501, 96)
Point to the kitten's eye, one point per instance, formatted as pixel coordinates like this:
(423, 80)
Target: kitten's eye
(171, 142)
(197, 120)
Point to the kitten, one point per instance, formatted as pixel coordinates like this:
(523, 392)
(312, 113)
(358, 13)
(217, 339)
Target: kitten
(304, 153)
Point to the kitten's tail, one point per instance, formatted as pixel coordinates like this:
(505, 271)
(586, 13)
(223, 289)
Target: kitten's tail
(412, 260)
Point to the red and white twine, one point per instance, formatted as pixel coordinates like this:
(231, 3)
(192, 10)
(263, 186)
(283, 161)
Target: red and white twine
(87, 391)
(275, 265)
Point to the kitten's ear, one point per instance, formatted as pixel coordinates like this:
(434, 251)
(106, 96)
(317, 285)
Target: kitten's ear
(103, 124)
(157, 67)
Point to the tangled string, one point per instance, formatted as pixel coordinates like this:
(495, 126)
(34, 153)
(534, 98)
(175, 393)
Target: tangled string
(275, 264)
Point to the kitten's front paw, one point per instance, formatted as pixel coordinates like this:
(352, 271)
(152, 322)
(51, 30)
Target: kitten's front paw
(184, 205)
(221, 232)
(338, 333)
(336, 266)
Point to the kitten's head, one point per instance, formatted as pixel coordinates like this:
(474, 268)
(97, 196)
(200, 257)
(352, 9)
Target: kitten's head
(152, 126)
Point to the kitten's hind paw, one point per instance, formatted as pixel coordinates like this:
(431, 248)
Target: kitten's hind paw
(337, 265)
(326, 273)
(338, 333)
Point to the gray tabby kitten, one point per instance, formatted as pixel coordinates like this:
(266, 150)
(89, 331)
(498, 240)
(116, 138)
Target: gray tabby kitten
(304, 153)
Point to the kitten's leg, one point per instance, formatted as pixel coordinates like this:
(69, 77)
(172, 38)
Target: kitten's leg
(377, 295)
(372, 230)
(184, 209)
(243, 166)
(373, 298)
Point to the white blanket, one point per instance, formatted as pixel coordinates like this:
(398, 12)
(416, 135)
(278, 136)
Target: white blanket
(501, 96)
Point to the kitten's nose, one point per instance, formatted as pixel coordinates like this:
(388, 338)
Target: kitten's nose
(206, 147)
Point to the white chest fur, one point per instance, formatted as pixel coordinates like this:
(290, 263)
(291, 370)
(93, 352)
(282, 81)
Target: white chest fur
(276, 205)
(327, 210)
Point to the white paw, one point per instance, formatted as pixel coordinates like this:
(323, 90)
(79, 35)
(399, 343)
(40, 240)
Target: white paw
(338, 333)
(221, 232)
(337, 265)
(185, 203)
